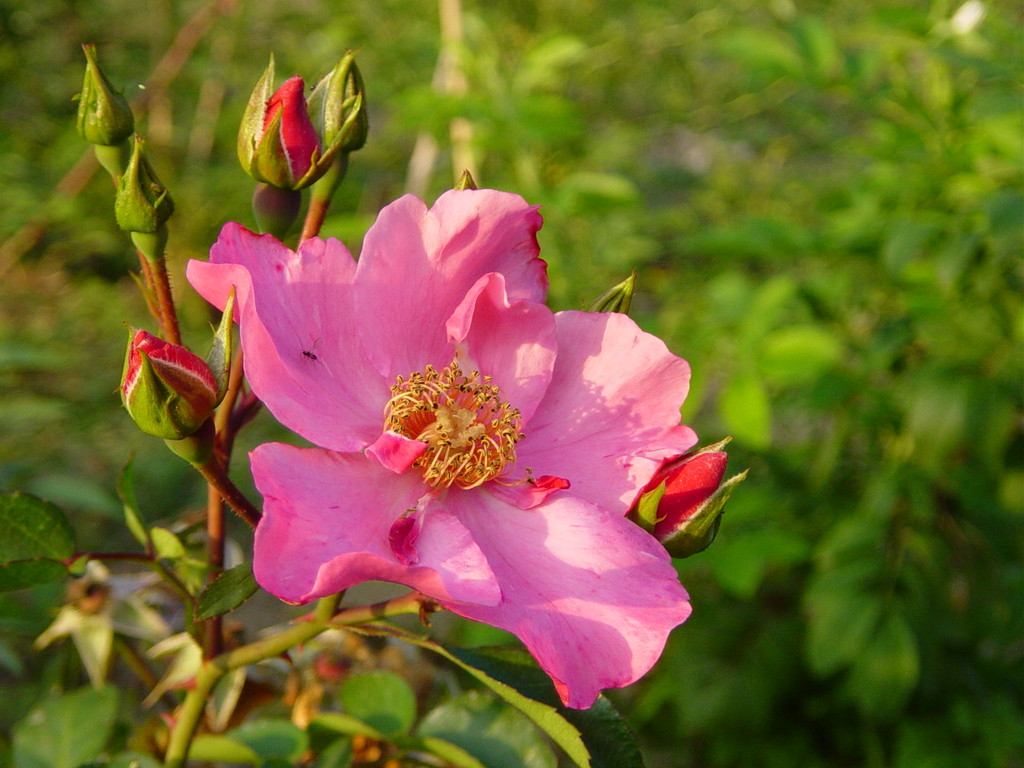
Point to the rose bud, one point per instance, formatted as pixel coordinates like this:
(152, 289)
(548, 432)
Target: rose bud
(289, 142)
(142, 204)
(104, 116)
(682, 504)
(277, 143)
(168, 391)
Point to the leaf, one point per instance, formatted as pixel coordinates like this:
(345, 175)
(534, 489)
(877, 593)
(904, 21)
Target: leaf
(33, 528)
(741, 561)
(228, 591)
(500, 737)
(36, 539)
(380, 698)
(746, 411)
(338, 754)
(886, 671)
(30, 573)
(166, 544)
(66, 731)
(799, 354)
(213, 748)
(594, 738)
(842, 618)
(452, 753)
(272, 739)
(337, 722)
(126, 491)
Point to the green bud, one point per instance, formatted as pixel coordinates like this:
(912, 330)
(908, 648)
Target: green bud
(337, 107)
(616, 299)
(466, 181)
(142, 203)
(104, 116)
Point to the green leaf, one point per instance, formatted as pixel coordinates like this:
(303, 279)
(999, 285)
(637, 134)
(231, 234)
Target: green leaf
(30, 573)
(741, 561)
(339, 723)
(447, 751)
(213, 748)
(126, 490)
(842, 618)
(799, 354)
(338, 754)
(228, 591)
(380, 698)
(36, 539)
(272, 739)
(167, 545)
(886, 670)
(746, 410)
(500, 737)
(594, 738)
(33, 528)
(66, 731)
(126, 760)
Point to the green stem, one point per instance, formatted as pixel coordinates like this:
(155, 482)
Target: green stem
(324, 616)
(113, 158)
(321, 195)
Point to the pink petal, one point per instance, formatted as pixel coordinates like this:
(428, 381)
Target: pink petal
(592, 596)
(611, 412)
(297, 135)
(327, 520)
(396, 452)
(417, 265)
(513, 343)
(528, 494)
(295, 311)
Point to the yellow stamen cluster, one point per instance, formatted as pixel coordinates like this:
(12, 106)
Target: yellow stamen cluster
(471, 433)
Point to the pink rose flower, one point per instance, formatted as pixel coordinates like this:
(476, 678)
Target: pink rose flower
(472, 444)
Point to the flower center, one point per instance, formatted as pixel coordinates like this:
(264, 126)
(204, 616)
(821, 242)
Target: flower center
(470, 432)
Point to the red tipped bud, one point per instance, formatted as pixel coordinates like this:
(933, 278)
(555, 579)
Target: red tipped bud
(289, 142)
(682, 505)
(277, 143)
(168, 391)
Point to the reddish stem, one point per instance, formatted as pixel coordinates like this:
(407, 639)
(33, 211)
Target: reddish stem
(161, 284)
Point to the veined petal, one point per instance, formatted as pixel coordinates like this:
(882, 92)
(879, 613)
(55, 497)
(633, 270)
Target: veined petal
(591, 595)
(611, 411)
(327, 522)
(295, 312)
(513, 343)
(417, 265)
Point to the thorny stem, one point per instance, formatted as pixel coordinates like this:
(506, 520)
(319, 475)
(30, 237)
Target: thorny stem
(146, 273)
(161, 286)
(322, 618)
(213, 639)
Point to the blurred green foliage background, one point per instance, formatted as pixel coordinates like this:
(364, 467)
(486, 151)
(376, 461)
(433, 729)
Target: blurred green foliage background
(823, 202)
